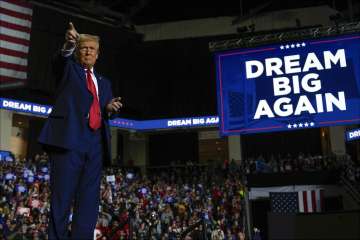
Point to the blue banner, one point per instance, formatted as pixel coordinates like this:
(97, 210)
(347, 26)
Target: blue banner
(289, 86)
(144, 125)
(353, 134)
(6, 156)
(27, 107)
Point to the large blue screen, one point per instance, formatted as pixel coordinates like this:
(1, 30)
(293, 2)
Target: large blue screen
(289, 86)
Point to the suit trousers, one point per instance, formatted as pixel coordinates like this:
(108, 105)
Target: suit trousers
(75, 185)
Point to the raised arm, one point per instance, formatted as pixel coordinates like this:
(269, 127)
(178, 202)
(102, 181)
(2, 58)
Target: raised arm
(59, 58)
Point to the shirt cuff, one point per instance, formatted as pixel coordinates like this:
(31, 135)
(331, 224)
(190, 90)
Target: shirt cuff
(67, 52)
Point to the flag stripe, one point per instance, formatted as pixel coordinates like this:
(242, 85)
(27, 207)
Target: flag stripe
(11, 85)
(318, 200)
(10, 17)
(14, 47)
(12, 73)
(13, 53)
(14, 26)
(20, 3)
(15, 29)
(15, 40)
(321, 199)
(9, 79)
(301, 202)
(17, 6)
(309, 202)
(13, 66)
(12, 59)
(8, 12)
(305, 201)
(14, 33)
(313, 200)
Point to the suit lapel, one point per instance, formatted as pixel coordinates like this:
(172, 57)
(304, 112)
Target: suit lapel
(81, 72)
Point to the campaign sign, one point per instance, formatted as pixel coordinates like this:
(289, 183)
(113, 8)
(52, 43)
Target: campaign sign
(353, 134)
(205, 121)
(27, 107)
(289, 86)
(5, 155)
(145, 125)
(110, 178)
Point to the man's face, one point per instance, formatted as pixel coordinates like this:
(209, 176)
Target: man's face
(88, 52)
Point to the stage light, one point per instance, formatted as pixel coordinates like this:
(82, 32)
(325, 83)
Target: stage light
(303, 33)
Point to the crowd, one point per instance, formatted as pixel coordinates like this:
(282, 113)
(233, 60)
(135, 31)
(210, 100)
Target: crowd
(191, 202)
(166, 203)
(351, 171)
(289, 163)
(24, 203)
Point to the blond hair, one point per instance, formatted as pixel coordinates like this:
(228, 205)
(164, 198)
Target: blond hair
(88, 37)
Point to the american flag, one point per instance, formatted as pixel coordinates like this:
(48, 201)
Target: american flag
(15, 28)
(311, 200)
(293, 202)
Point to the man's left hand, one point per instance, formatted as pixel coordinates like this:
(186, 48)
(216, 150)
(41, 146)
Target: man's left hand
(114, 105)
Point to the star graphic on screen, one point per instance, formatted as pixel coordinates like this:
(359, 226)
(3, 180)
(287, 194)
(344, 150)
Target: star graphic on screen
(289, 126)
(312, 124)
(287, 46)
(306, 124)
(282, 47)
(300, 125)
(292, 45)
(298, 45)
(295, 125)
(303, 44)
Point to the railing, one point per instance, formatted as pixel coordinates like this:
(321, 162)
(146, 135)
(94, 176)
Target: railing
(350, 188)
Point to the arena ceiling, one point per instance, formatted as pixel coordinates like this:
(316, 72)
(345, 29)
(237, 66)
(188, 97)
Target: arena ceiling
(138, 12)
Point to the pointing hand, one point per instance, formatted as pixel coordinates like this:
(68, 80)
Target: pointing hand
(71, 35)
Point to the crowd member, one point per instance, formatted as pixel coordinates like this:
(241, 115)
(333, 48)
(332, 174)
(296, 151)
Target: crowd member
(76, 135)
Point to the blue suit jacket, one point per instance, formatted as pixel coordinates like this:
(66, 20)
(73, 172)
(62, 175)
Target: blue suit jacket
(67, 123)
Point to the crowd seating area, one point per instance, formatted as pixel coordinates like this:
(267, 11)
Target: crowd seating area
(175, 202)
(188, 201)
(302, 163)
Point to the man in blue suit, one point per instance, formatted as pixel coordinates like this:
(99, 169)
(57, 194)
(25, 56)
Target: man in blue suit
(77, 137)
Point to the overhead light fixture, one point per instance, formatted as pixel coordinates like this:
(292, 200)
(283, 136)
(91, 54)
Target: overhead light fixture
(283, 35)
(112, 19)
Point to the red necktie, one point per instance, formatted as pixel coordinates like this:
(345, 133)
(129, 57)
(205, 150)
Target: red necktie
(94, 113)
